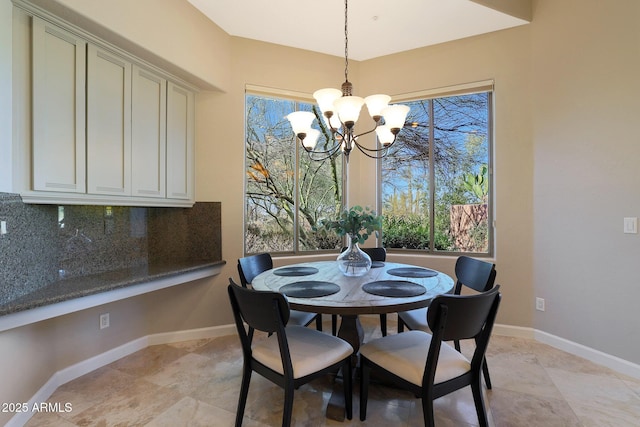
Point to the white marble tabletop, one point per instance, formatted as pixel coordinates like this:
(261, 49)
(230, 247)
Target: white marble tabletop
(351, 299)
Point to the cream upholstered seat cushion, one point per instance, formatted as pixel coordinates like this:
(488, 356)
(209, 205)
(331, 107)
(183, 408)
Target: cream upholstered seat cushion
(416, 319)
(300, 318)
(310, 351)
(405, 355)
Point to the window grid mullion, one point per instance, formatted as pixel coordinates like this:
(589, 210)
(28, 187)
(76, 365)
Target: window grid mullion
(432, 181)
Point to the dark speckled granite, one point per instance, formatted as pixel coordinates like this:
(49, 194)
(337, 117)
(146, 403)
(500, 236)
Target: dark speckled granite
(83, 286)
(53, 253)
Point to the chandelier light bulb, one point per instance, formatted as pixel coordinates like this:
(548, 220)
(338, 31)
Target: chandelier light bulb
(376, 103)
(301, 121)
(311, 139)
(385, 136)
(395, 115)
(348, 108)
(326, 98)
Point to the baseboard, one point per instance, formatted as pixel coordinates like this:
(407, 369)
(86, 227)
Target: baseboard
(84, 367)
(612, 362)
(191, 334)
(513, 331)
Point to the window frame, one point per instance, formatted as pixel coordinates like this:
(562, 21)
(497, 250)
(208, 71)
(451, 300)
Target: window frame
(486, 86)
(295, 97)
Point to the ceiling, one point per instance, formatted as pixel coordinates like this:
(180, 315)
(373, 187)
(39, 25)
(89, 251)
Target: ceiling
(376, 27)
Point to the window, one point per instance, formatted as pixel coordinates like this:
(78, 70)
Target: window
(435, 182)
(435, 191)
(286, 193)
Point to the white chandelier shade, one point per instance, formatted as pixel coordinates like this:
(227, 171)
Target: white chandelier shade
(395, 115)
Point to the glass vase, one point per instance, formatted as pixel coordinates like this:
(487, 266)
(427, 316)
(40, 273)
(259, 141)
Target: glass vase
(353, 261)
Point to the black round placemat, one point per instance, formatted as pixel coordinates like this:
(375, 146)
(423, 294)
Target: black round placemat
(295, 271)
(377, 264)
(309, 289)
(394, 288)
(412, 272)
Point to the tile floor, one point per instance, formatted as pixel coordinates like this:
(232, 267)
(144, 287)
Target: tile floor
(196, 383)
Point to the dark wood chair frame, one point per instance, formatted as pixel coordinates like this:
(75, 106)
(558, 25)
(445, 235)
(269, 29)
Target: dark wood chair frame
(474, 274)
(451, 318)
(269, 312)
(250, 266)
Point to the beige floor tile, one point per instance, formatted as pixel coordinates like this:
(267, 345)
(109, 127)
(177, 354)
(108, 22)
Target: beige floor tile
(196, 383)
(185, 374)
(91, 389)
(189, 412)
(514, 409)
(136, 405)
(148, 361)
(598, 399)
(48, 420)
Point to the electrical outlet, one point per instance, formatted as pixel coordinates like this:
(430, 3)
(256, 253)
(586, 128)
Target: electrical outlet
(104, 321)
(631, 225)
(540, 304)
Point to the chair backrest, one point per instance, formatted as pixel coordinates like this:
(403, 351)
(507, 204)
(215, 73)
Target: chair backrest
(249, 267)
(475, 274)
(376, 254)
(262, 310)
(459, 317)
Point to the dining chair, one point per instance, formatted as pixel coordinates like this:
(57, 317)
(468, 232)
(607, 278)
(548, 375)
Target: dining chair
(250, 266)
(289, 356)
(471, 273)
(424, 363)
(376, 254)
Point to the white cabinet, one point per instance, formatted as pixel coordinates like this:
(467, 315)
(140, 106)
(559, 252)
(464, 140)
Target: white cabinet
(108, 123)
(180, 142)
(148, 134)
(58, 109)
(107, 128)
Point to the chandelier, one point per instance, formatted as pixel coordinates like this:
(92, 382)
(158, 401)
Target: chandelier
(341, 110)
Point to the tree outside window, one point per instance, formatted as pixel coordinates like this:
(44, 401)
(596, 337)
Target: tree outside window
(286, 193)
(435, 180)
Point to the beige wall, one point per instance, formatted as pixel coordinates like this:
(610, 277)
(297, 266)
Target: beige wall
(585, 96)
(565, 174)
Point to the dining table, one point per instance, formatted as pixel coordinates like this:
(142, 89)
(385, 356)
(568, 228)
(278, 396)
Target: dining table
(321, 287)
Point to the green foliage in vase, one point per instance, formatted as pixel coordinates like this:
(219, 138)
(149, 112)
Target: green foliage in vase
(358, 222)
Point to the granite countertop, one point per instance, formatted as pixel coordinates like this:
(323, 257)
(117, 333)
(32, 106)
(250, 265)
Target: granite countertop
(77, 287)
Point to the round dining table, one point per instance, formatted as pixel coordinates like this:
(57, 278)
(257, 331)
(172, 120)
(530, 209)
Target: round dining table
(388, 287)
(320, 287)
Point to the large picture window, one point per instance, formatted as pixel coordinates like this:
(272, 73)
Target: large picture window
(286, 193)
(435, 182)
(435, 191)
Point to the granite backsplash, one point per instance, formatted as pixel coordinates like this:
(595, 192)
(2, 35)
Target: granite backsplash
(44, 244)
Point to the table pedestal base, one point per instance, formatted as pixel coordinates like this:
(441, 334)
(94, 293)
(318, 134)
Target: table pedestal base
(351, 331)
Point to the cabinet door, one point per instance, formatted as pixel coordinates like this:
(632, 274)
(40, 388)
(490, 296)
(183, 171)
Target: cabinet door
(58, 150)
(180, 140)
(108, 123)
(148, 132)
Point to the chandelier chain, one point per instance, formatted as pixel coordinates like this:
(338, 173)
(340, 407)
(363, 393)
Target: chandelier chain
(346, 43)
